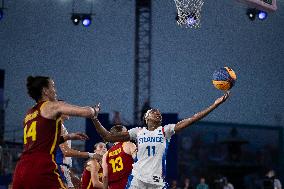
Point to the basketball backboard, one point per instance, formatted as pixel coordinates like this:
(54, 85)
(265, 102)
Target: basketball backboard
(265, 5)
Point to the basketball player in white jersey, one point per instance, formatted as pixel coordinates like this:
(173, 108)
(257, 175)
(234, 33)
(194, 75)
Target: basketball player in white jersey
(64, 156)
(149, 170)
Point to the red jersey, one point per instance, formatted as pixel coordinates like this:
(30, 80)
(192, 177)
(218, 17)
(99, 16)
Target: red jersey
(36, 167)
(41, 135)
(119, 166)
(87, 181)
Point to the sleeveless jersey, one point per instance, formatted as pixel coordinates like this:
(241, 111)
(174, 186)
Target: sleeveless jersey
(66, 162)
(60, 158)
(36, 167)
(150, 166)
(41, 135)
(119, 163)
(87, 181)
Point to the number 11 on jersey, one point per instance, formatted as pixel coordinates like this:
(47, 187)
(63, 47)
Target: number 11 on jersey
(149, 150)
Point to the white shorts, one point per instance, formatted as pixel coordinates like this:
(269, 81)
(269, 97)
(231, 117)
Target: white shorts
(134, 183)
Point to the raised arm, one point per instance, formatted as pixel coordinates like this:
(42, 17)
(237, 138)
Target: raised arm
(196, 117)
(105, 171)
(108, 136)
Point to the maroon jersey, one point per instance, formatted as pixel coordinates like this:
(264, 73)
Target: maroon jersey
(119, 165)
(87, 181)
(36, 167)
(40, 134)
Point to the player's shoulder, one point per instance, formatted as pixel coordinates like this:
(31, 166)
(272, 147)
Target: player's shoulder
(141, 128)
(129, 147)
(48, 103)
(136, 129)
(94, 163)
(105, 155)
(56, 104)
(168, 126)
(128, 143)
(49, 106)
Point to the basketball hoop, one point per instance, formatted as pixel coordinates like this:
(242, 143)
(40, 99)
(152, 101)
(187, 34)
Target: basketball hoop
(189, 13)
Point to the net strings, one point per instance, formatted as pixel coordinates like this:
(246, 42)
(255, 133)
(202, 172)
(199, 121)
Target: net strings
(186, 9)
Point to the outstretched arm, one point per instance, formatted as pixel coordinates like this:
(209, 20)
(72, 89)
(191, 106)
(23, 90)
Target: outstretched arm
(105, 134)
(189, 121)
(73, 136)
(52, 110)
(69, 152)
(108, 136)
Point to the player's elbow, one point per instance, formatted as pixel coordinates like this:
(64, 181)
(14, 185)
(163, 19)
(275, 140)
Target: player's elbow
(105, 179)
(97, 184)
(105, 182)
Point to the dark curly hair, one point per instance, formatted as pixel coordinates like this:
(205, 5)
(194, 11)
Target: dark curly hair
(117, 129)
(35, 86)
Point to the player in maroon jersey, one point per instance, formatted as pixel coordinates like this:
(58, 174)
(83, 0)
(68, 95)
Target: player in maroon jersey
(36, 168)
(117, 162)
(93, 171)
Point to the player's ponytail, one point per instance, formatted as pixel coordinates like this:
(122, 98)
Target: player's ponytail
(30, 80)
(35, 86)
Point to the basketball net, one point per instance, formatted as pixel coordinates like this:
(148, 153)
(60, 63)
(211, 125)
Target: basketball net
(189, 13)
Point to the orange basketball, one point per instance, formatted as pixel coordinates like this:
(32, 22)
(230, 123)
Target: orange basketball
(224, 78)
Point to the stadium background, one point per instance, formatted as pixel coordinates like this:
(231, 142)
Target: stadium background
(96, 64)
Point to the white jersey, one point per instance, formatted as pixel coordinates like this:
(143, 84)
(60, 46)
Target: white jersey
(66, 160)
(150, 166)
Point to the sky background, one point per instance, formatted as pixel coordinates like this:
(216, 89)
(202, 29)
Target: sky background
(96, 64)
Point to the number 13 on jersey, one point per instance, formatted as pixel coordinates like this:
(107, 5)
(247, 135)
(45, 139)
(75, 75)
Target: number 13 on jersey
(116, 164)
(30, 132)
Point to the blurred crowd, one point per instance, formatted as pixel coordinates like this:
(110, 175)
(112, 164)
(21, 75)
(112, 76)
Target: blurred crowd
(267, 181)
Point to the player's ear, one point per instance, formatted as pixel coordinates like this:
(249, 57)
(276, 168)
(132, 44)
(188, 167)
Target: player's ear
(146, 121)
(146, 118)
(44, 91)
